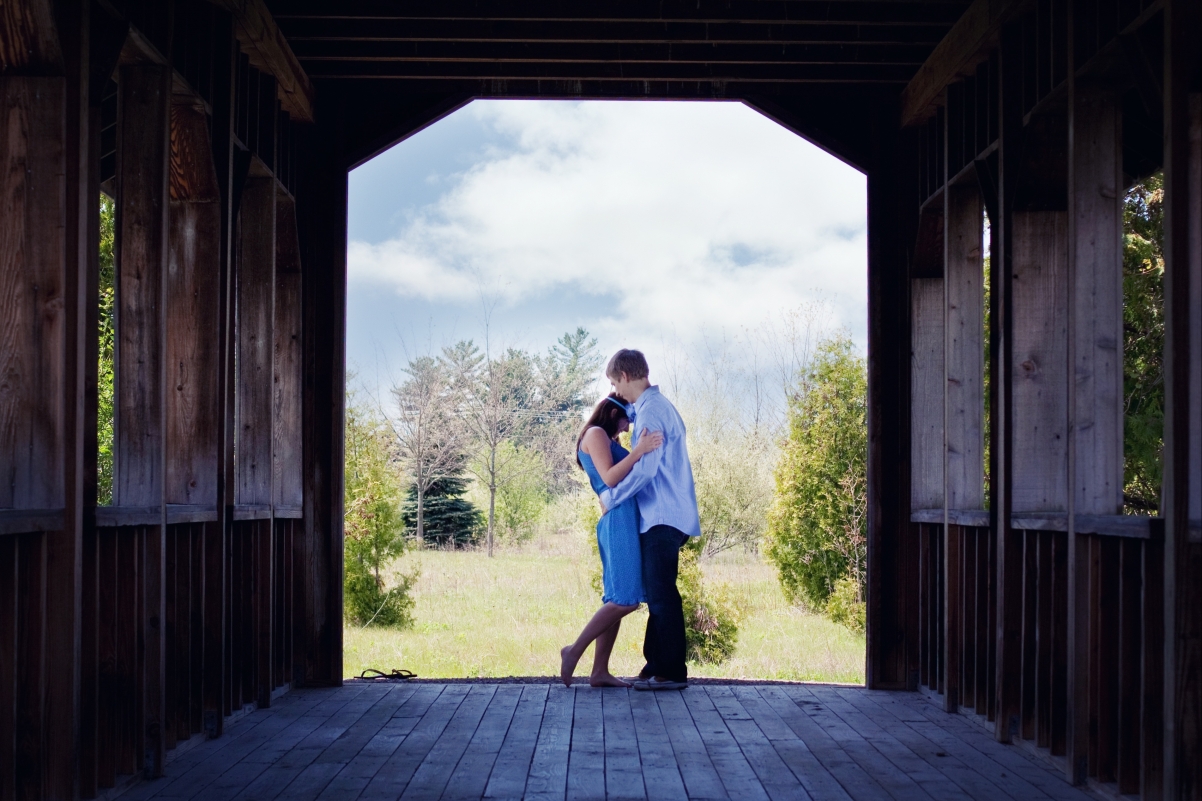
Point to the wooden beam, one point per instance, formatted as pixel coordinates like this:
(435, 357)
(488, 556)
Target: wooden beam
(141, 380)
(965, 46)
(757, 73)
(316, 29)
(193, 297)
(1182, 473)
(964, 360)
(1096, 303)
(785, 12)
(598, 53)
(270, 52)
(28, 39)
(321, 214)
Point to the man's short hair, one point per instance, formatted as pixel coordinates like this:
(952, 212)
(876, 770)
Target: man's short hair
(630, 362)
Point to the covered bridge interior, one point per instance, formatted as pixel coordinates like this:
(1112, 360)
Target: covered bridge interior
(224, 132)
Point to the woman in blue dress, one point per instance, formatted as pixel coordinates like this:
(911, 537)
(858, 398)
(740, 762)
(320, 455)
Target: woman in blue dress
(606, 463)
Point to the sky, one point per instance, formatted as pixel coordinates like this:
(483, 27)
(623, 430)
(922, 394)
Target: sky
(663, 226)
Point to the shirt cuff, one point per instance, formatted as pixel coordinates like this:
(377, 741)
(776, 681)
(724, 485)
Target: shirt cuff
(605, 497)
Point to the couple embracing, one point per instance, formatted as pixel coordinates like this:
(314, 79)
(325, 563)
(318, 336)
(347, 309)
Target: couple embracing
(650, 511)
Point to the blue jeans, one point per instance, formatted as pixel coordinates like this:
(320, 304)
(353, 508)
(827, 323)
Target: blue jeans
(664, 644)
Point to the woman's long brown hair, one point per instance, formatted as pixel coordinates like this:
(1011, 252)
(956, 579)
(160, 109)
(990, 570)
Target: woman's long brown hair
(608, 416)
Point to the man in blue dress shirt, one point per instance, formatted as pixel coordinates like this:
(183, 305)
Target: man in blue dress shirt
(662, 484)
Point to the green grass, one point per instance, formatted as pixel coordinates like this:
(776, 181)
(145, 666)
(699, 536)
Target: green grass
(509, 616)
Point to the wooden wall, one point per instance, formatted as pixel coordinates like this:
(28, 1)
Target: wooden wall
(142, 624)
(1070, 626)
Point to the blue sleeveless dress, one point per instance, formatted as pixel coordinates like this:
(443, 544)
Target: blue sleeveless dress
(618, 539)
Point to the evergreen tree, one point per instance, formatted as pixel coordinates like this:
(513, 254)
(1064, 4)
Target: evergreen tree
(449, 518)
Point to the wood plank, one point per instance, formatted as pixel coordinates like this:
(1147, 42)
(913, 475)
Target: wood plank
(141, 252)
(1040, 361)
(1030, 675)
(623, 769)
(9, 605)
(287, 454)
(960, 771)
(661, 775)
(964, 359)
(432, 775)
(508, 776)
(256, 314)
(1044, 638)
(817, 701)
(701, 778)
(1108, 660)
(1096, 275)
(1130, 680)
(926, 387)
(1058, 700)
(470, 777)
(262, 534)
(968, 617)
(1152, 668)
(197, 629)
(128, 578)
(952, 611)
(967, 44)
(814, 778)
(859, 782)
(29, 713)
(32, 315)
(586, 754)
(777, 781)
(171, 656)
(724, 752)
(193, 298)
(399, 770)
(549, 766)
(107, 715)
(270, 52)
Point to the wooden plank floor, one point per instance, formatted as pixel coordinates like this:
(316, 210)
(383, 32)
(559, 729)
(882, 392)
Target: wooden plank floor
(540, 741)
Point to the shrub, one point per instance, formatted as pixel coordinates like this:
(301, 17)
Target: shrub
(845, 606)
(816, 532)
(711, 621)
(374, 531)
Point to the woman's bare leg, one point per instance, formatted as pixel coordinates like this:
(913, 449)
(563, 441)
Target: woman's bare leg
(601, 677)
(602, 620)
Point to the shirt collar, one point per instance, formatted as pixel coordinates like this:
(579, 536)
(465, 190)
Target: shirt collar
(648, 392)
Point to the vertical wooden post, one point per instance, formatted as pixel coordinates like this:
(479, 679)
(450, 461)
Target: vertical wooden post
(141, 251)
(321, 211)
(892, 658)
(216, 534)
(1008, 578)
(1095, 355)
(256, 344)
(288, 478)
(1183, 376)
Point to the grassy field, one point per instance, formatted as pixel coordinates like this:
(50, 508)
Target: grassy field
(509, 616)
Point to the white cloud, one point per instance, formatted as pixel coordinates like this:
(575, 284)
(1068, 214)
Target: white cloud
(682, 216)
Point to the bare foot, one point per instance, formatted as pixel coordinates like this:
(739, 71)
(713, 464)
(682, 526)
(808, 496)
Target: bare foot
(567, 665)
(606, 680)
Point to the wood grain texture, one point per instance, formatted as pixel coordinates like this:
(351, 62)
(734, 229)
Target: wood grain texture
(288, 456)
(256, 312)
(260, 36)
(1096, 268)
(141, 255)
(964, 359)
(32, 314)
(1040, 361)
(926, 387)
(193, 296)
(28, 38)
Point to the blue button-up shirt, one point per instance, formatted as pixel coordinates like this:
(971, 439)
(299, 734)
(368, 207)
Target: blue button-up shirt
(662, 481)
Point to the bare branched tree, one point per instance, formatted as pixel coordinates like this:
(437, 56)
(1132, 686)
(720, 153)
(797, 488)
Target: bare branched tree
(428, 438)
(497, 400)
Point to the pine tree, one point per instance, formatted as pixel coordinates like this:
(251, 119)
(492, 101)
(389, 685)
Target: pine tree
(448, 517)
